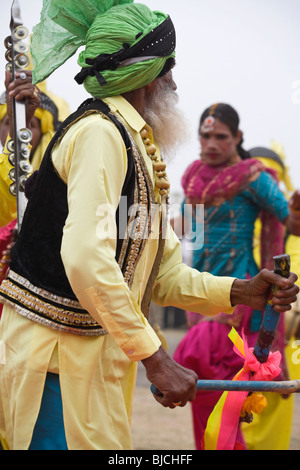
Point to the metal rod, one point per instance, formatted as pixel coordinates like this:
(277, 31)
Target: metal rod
(283, 387)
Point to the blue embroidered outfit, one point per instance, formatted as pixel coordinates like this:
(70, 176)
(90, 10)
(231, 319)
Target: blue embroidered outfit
(228, 229)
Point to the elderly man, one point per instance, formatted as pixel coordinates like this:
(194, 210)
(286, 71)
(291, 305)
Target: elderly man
(95, 246)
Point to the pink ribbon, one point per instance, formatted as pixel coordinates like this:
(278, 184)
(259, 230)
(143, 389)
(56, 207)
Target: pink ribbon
(252, 370)
(261, 371)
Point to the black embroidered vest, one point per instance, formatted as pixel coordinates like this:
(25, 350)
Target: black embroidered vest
(37, 285)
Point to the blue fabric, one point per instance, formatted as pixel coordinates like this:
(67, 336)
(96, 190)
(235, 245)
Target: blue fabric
(228, 230)
(49, 433)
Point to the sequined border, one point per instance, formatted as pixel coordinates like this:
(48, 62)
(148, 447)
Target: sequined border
(51, 313)
(43, 293)
(143, 196)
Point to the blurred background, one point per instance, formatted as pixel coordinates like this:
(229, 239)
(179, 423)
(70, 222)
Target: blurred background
(243, 52)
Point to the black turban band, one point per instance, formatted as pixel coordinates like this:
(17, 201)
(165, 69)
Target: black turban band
(160, 42)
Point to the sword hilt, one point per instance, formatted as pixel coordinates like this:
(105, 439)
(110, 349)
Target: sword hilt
(282, 264)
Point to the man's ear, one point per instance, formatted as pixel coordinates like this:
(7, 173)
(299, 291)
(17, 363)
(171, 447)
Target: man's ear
(151, 87)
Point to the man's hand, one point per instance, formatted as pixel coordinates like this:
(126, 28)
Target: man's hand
(22, 89)
(292, 222)
(176, 384)
(255, 292)
(294, 202)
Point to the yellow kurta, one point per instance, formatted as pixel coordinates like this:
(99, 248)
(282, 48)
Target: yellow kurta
(97, 374)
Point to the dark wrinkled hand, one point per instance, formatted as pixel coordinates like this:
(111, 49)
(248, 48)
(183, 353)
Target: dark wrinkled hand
(258, 291)
(6, 259)
(175, 383)
(294, 202)
(22, 90)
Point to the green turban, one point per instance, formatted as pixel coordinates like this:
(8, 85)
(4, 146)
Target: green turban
(126, 45)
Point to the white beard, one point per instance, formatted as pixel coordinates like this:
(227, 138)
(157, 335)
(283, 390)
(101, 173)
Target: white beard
(169, 127)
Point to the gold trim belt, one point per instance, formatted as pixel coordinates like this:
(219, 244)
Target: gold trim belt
(47, 309)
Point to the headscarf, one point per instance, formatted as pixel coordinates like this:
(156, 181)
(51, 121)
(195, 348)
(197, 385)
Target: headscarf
(212, 186)
(126, 45)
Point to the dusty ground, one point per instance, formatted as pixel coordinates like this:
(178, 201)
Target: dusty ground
(158, 428)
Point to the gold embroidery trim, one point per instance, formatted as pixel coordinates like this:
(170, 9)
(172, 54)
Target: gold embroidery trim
(43, 293)
(143, 187)
(44, 313)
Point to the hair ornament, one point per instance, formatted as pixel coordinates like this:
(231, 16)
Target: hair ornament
(208, 124)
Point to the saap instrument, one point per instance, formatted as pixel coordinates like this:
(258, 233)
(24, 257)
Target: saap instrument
(18, 146)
